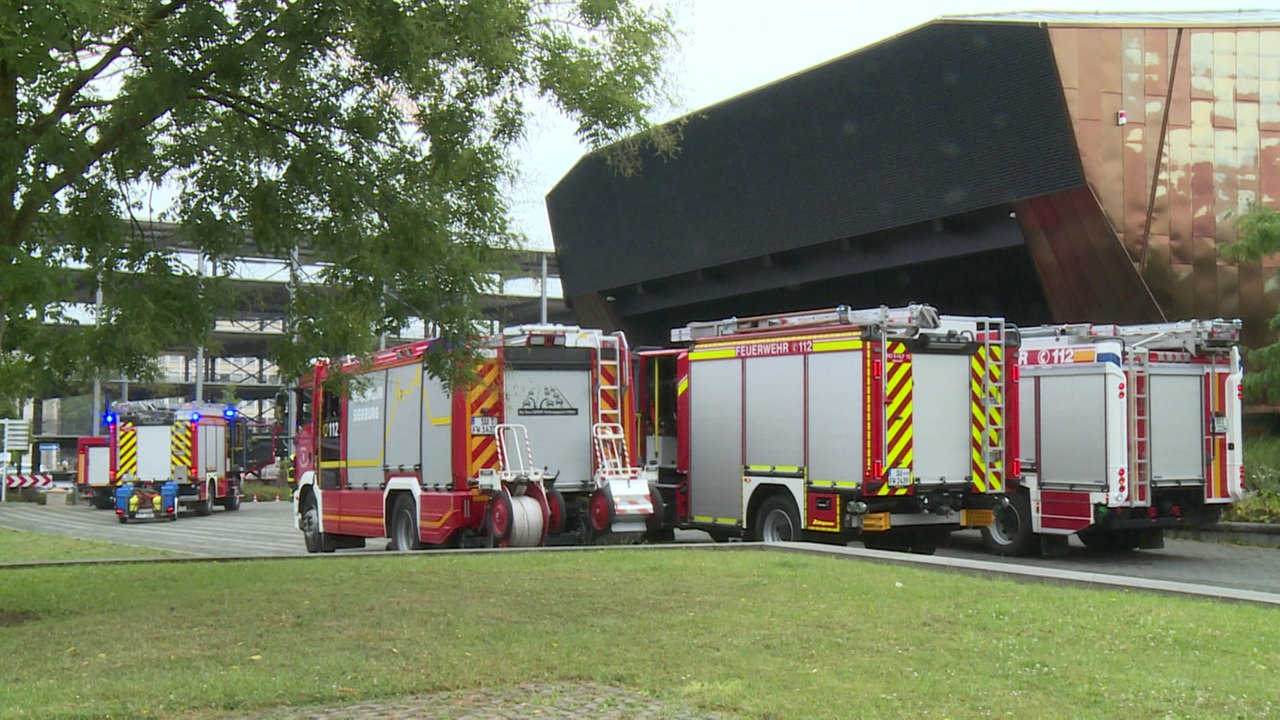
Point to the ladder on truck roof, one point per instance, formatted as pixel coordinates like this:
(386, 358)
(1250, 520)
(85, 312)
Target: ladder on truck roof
(915, 315)
(614, 344)
(1139, 398)
(1187, 335)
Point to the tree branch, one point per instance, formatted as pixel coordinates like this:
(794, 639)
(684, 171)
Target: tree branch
(62, 106)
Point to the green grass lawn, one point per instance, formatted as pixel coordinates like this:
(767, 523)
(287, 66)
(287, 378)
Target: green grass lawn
(18, 546)
(745, 632)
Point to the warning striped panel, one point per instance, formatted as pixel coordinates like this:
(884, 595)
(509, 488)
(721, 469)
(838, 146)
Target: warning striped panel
(482, 401)
(899, 434)
(126, 450)
(987, 419)
(180, 456)
(608, 397)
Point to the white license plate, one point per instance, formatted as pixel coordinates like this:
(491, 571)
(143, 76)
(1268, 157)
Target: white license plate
(1219, 425)
(899, 477)
(484, 425)
(144, 514)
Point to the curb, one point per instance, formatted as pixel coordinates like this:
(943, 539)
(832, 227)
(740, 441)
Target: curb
(1239, 533)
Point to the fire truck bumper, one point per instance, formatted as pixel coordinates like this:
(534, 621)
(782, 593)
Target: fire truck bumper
(883, 521)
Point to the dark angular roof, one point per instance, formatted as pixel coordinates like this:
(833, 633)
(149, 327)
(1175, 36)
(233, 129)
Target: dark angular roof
(945, 119)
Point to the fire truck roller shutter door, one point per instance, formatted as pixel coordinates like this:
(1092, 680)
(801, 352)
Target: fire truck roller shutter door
(1073, 441)
(1178, 428)
(153, 452)
(554, 403)
(715, 428)
(366, 417)
(437, 433)
(942, 410)
(835, 441)
(404, 410)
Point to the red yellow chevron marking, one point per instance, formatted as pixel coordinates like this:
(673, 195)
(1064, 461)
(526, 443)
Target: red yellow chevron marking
(898, 388)
(482, 399)
(180, 455)
(986, 403)
(1216, 486)
(126, 450)
(609, 398)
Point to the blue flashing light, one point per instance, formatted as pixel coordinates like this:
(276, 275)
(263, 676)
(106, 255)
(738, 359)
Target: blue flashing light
(195, 417)
(109, 418)
(229, 413)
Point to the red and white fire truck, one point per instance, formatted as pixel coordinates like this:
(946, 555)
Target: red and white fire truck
(402, 455)
(884, 424)
(1126, 431)
(153, 445)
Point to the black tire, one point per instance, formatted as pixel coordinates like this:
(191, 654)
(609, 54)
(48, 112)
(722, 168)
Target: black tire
(1010, 531)
(777, 520)
(404, 525)
(205, 507)
(310, 522)
(232, 501)
(555, 511)
(124, 519)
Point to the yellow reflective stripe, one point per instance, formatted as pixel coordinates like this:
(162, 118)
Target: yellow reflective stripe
(726, 521)
(833, 345)
(824, 337)
(703, 519)
(773, 468)
(683, 386)
(713, 354)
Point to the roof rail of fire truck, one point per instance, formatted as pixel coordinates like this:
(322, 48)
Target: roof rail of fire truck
(915, 316)
(555, 334)
(1187, 335)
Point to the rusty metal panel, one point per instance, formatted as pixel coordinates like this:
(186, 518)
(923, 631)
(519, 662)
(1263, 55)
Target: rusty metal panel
(1228, 300)
(1205, 265)
(1112, 61)
(1136, 188)
(1224, 79)
(1066, 53)
(1109, 182)
(1180, 208)
(1269, 181)
(1269, 79)
(1201, 54)
(1133, 67)
(1182, 297)
(1247, 153)
(1155, 61)
(1085, 272)
(1251, 302)
(1089, 76)
(1247, 63)
(1159, 272)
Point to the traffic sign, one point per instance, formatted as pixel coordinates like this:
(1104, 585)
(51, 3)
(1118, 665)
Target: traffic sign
(17, 435)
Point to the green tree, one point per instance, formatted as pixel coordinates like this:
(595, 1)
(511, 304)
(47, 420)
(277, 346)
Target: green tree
(1259, 233)
(372, 136)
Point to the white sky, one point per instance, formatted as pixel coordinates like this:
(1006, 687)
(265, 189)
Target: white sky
(731, 46)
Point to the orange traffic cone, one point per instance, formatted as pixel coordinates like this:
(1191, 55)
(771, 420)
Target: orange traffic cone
(277, 498)
(255, 497)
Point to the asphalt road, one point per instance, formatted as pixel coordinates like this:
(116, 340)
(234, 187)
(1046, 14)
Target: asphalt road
(266, 529)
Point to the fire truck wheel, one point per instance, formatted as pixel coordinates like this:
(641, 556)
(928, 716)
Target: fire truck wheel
(232, 503)
(600, 511)
(404, 526)
(500, 518)
(123, 519)
(1010, 531)
(205, 506)
(777, 520)
(310, 523)
(555, 511)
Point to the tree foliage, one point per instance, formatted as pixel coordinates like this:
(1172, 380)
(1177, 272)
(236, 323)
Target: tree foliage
(372, 136)
(1259, 232)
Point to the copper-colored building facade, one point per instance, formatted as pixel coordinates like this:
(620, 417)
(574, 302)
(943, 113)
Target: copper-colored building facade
(1178, 129)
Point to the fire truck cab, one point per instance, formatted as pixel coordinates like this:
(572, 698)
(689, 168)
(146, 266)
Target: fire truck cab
(1127, 430)
(532, 448)
(885, 424)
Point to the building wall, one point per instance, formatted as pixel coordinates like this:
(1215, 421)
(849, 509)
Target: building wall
(1214, 95)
